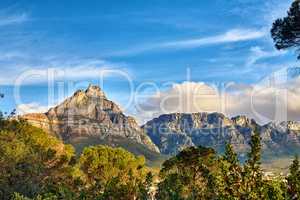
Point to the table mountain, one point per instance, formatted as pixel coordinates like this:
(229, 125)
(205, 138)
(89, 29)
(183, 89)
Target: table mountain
(173, 132)
(89, 118)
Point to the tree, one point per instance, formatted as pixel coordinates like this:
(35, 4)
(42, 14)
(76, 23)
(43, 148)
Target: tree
(145, 187)
(31, 161)
(173, 187)
(293, 179)
(275, 189)
(252, 173)
(286, 31)
(112, 173)
(231, 174)
(189, 175)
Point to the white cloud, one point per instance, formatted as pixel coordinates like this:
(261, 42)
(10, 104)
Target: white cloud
(31, 108)
(6, 20)
(234, 35)
(275, 98)
(53, 69)
(230, 36)
(257, 53)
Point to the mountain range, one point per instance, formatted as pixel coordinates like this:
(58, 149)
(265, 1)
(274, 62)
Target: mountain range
(88, 117)
(173, 132)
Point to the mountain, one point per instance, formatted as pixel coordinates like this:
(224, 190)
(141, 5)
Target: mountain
(173, 132)
(89, 118)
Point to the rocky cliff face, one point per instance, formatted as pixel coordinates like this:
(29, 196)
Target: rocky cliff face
(90, 114)
(173, 132)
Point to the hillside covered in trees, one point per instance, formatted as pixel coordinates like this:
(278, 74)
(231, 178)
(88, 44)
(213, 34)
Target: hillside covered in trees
(37, 166)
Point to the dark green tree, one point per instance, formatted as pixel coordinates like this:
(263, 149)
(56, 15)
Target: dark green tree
(189, 175)
(293, 179)
(145, 187)
(286, 31)
(231, 174)
(173, 187)
(252, 173)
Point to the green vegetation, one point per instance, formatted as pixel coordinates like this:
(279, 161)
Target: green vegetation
(153, 159)
(285, 32)
(30, 160)
(199, 173)
(37, 166)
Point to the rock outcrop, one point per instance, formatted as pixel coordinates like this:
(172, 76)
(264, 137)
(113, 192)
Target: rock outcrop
(90, 114)
(173, 132)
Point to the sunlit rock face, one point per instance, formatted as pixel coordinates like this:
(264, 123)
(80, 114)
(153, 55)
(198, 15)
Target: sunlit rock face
(90, 114)
(173, 132)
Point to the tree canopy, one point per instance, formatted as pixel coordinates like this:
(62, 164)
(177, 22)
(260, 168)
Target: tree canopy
(112, 173)
(31, 160)
(286, 31)
(36, 166)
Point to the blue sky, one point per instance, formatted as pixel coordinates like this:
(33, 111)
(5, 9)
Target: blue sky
(159, 41)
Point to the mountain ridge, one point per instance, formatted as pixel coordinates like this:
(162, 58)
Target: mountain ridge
(173, 132)
(89, 118)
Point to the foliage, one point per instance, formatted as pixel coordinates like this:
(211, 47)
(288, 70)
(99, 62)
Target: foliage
(231, 174)
(189, 175)
(252, 173)
(285, 31)
(198, 173)
(30, 159)
(294, 179)
(145, 187)
(112, 171)
(275, 190)
(37, 166)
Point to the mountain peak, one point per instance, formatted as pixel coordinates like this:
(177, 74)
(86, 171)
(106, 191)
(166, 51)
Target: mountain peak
(89, 114)
(94, 91)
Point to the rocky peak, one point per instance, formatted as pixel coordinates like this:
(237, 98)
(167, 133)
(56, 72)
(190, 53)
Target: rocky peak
(242, 121)
(94, 91)
(88, 113)
(218, 119)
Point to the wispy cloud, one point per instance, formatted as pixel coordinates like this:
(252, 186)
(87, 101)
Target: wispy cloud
(235, 35)
(55, 69)
(13, 19)
(257, 53)
(231, 36)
